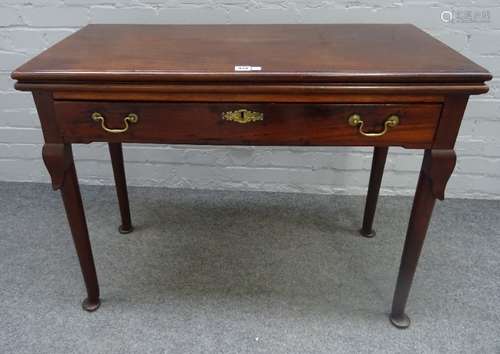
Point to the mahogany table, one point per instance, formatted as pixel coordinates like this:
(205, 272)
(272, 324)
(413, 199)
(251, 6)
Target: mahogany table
(291, 85)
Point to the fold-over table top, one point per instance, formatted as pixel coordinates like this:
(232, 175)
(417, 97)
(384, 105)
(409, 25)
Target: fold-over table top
(338, 53)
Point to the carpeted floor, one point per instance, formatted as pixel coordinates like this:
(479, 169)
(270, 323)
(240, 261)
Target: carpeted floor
(240, 272)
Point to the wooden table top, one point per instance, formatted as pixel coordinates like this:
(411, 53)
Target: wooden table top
(372, 53)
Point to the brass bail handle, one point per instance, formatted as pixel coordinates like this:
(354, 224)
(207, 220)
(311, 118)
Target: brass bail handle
(391, 121)
(131, 117)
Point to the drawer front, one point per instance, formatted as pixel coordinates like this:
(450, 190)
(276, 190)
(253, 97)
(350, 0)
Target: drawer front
(249, 124)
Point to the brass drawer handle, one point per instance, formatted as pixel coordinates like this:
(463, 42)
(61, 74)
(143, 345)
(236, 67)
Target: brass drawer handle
(132, 118)
(242, 116)
(355, 120)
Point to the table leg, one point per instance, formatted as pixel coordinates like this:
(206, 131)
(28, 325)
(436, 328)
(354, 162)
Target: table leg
(59, 161)
(115, 150)
(437, 167)
(378, 163)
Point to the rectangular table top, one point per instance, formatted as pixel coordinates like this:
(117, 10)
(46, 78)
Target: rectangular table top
(330, 53)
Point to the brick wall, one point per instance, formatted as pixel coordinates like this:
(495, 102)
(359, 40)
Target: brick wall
(29, 26)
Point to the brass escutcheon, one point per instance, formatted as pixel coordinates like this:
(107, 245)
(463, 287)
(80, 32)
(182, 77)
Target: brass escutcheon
(242, 116)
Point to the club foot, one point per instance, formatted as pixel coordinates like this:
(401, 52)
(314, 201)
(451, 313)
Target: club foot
(367, 234)
(91, 305)
(400, 321)
(125, 230)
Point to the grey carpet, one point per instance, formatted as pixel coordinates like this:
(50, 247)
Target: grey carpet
(239, 272)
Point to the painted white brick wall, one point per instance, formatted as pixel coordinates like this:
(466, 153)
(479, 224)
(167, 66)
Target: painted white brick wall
(29, 26)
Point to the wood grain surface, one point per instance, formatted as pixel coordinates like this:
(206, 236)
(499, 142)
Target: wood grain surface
(286, 53)
(283, 124)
